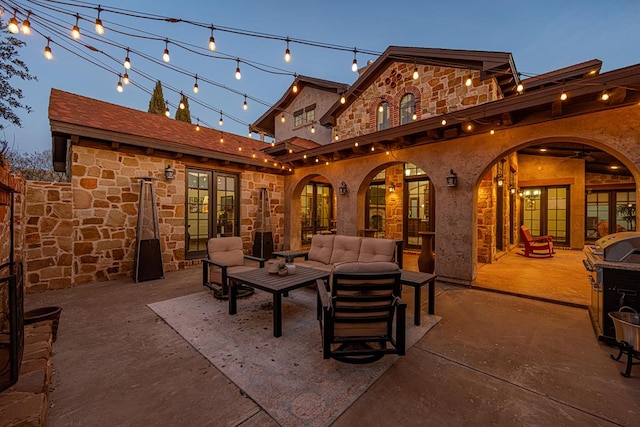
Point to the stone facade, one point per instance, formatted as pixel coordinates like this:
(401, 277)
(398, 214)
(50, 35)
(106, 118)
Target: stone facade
(438, 90)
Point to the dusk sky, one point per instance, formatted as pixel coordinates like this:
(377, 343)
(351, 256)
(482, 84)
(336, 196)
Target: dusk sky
(542, 36)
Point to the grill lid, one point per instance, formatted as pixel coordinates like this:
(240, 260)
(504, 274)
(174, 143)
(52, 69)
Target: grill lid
(620, 247)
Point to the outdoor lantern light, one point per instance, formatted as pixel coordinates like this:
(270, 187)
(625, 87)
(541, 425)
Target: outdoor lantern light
(392, 188)
(343, 188)
(452, 179)
(500, 180)
(169, 173)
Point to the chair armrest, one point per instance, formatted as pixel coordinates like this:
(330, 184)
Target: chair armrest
(256, 259)
(401, 326)
(206, 263)
(323, 294)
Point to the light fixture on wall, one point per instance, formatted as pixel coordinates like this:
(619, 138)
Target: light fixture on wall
(500, 176)
(452, 179)
(343, 189)
(512, 189)
(169, 173)
(392, 188)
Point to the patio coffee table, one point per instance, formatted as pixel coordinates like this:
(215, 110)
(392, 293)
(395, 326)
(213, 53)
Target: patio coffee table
(275, 284)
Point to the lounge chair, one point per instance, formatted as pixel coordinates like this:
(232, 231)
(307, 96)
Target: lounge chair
(539, 247)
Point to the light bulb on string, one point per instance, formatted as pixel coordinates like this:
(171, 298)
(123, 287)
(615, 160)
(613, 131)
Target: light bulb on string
(354, 65)
(127, 61)
(287, 53)
(75, 31)
(47, 50)
(313, 128)
(444, 122)
(342, 99)
(26, 25)
(414, 116)
(294, 89)
(195, 85)
(238, 75)
(250, 135)
(165, 55)
(468, 81)
(166, 110)
(212, 41)
(220, 122)
(245, 106)
(520, 88)
(182, 106)
(119, 87)
(13, 23)
(415, 73)
(563, 96)
(125, 78)
(99, 26)
(282, 119)
(198, 124)
(380, 108)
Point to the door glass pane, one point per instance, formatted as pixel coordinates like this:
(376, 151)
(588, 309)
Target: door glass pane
(376, 208)
(557, 214)
(418, 218)
(323, 205)
(626, 211)
(197, 210)
(597, 222)
(532, 209)
(306, 214)
(226, 213)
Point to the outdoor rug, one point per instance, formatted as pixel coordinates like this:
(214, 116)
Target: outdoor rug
(286, 376)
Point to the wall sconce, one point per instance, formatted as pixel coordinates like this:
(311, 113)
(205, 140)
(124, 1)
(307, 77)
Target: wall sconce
(520, 192)
(343, 189)
(169, 173)
(500, 180)
(392, 188)
(452, 179)
(512, 189)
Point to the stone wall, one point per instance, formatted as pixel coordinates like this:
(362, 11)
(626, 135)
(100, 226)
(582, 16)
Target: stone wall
(250, 183)
(438, 90)
(486, 207)
(394, 203)
(595, 180)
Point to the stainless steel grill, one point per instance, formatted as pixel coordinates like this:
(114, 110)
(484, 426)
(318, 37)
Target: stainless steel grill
(614, 267)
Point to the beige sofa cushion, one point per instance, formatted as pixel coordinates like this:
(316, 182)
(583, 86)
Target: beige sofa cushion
(226, 250)
(366, 267)
(321, 248)
(345, 249)
(373, 249)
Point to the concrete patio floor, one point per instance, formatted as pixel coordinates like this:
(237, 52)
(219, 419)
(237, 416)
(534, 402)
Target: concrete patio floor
(493, 359)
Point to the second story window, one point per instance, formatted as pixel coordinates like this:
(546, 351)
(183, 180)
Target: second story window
(382, 116)
(407, 108)
(298, 118)
(310, 113)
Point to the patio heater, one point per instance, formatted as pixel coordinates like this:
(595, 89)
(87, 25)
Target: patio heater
(263, 240)
(148, 260)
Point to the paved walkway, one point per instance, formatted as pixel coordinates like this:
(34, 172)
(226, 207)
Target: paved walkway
(493, 359)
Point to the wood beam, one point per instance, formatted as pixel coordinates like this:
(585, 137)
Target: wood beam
(148, 151)
(115, 145)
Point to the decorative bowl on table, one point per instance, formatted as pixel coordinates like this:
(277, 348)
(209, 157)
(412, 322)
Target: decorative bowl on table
(273, 266)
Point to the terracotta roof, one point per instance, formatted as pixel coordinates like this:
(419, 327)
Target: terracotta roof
(491, 64)
(266, 122)
(74, 114)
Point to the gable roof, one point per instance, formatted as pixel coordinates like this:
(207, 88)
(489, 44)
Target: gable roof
(491, 64)
(266, 122)
(72, 114)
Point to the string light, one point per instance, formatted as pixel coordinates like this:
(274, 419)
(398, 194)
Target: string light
(468, 81)
(13, 23)
(250, 133)
(282, 119)
(119, 87)
(414, 116)
(198, 125)
(492, 131)
(605, 95)
(26, 25)
(563, 95)
(47, 50)
(99, 26)
(166, 110)
(127, 61)
(415, 73)
(165, 55)
(381, 108)
(294, 89)
(313, 128)
(245, 106)
(75, 31)
(287, 53)
(342, 99)
(220, 121)
(181, 105)
(238, 75)
(520, 88)
(221, 138)
(239, 146)
(444, 122)
(195, 85)
(125, 78)
(354, 65)
(212, 41)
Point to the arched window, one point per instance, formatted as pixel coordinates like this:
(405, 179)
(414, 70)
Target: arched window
(382, 116)
(407, 108)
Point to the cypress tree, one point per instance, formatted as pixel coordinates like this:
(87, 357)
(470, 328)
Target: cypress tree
(156, 104)
(183, 114)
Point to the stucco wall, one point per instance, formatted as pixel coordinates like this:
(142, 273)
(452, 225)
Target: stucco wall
(306, 97)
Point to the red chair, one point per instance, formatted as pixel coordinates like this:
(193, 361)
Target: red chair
(533, 244)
